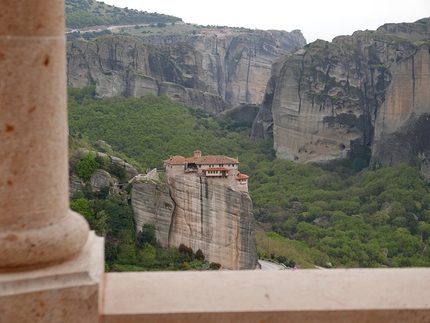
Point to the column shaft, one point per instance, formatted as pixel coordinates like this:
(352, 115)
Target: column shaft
(36, 225)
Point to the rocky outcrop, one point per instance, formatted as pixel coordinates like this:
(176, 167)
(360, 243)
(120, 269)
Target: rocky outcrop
(212, 72)
(75, 184)
(78, 153)
(99, 179)
(202, 214)
(127, 167)
(331, 100)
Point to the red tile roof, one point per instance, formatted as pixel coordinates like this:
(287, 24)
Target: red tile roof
(175, 160)
(242, 176)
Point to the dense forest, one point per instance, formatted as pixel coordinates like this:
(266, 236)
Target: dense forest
(337, 215)
(88, 13)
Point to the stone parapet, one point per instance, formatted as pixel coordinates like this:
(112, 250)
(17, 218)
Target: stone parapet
(336, 295)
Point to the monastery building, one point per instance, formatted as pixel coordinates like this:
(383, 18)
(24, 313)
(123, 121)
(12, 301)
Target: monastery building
(213, 167)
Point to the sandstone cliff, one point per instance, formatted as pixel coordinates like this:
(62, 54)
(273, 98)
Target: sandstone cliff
(402, 127)
(202, 214)
(204, 71)
(330, 100)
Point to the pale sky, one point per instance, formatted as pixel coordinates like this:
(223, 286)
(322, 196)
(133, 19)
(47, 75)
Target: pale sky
(323, 19)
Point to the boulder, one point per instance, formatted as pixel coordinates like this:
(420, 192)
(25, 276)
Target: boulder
(322, 222)
(99, 179)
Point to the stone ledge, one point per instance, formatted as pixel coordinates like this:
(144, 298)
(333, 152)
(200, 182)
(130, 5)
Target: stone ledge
(338, 295)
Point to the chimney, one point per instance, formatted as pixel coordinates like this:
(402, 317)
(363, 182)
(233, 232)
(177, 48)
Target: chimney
(197, 153)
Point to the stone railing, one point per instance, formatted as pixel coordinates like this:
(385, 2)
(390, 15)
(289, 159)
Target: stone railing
(152, 175)
(51, 265)
(341, 295)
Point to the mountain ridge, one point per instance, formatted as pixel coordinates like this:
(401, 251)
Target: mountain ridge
(210, 72)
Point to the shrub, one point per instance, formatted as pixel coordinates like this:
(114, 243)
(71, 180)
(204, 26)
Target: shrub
(147, 235)
(111, 252)
(78, 195)
(199, 255)
(119, 172)
(281, 259)
(185, 250)
(215, 265)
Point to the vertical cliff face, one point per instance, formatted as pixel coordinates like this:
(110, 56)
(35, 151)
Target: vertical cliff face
(237, 66)
(152, 203)
(328, 100)
(402, 128)
(203, 214)
(124, 66)
(212, 72)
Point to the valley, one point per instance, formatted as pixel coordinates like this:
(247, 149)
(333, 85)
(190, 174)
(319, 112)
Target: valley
(334, 135)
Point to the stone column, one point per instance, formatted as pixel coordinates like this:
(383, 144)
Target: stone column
(36, 226)
(51, 265)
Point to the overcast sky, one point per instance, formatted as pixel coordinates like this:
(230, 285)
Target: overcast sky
(322, 19)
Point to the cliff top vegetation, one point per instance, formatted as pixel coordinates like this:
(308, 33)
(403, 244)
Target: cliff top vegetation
(89, 13)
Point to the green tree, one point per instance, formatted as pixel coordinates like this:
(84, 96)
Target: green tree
(82, 206)
(147, 235)
(86, 166)
(100, 225)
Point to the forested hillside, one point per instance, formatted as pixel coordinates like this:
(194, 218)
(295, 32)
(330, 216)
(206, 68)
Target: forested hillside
(88, 13)
(152, 128)
(340, 215)
(369, 219)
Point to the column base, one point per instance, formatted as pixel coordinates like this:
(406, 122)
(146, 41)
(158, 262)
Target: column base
(43, 246)
(67, 292)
